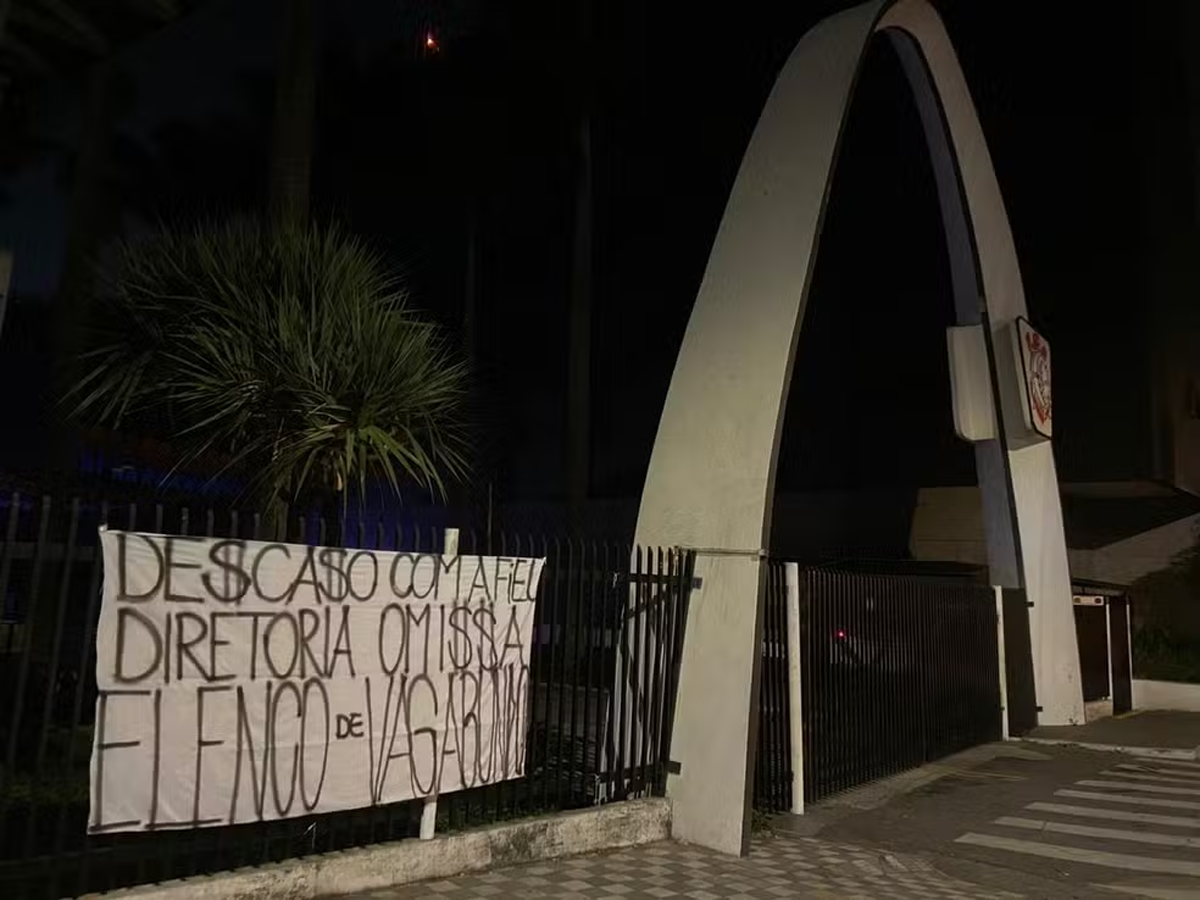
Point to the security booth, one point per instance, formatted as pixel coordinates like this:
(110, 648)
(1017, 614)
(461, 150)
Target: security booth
(1102, 629)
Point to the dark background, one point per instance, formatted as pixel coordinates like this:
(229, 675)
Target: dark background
(1088, 115)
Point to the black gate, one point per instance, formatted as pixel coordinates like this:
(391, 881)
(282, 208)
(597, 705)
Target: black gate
(773, 767)
(1018, 664)
(1122, 671)
(897, 671)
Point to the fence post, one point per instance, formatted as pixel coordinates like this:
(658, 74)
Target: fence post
(795, 700)
(429, 809)
(1003, 667)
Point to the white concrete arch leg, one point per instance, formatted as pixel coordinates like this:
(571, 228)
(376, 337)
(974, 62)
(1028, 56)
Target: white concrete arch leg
(711, 477)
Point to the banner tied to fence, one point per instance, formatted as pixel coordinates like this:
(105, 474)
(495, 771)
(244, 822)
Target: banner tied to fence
(243, 681)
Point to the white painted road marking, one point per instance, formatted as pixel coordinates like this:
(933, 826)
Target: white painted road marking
(1145, 776)
(1178, 773)
(1116, 815)
(1108, 834)
(1118, 798)
(1173, 763)
(1080, 855)
(1148, 788)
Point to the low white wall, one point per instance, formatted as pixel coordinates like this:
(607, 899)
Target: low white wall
(384, 865)
(1165, 695)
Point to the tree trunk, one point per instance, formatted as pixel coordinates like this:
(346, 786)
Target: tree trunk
(580, 333)
(470, 315)
(295, 102)
(579, 364)
(5, 9)
(88, 208)
(88, 204)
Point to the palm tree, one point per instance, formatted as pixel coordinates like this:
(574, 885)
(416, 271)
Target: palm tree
(292, 355)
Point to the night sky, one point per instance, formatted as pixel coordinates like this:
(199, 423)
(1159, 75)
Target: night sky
(1087, 119)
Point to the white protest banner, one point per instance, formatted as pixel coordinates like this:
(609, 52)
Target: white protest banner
(244, 681)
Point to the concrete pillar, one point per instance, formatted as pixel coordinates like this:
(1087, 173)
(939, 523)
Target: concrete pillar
(710, 483)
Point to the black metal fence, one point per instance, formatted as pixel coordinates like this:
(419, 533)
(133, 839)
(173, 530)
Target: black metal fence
(897, 671)
(594, 599)
(773, 775)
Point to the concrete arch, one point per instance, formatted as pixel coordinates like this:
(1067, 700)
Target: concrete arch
(711, 478)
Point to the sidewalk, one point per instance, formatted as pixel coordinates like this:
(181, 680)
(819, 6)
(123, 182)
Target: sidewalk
(1153, 732)
(779, 866)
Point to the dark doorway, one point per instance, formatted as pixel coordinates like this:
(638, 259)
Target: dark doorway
(1122, 667)
(1091, 628)
(1018, 665)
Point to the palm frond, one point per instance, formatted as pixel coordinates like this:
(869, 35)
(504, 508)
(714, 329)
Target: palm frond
(295, 353)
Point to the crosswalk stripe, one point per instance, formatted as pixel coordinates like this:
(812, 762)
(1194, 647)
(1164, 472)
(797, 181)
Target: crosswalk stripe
(1134, 786)
(1178, 773)
(1108, 834)
(1174, 763)
(1126, 861)
(1116, 815)
(1117, 798)
(1142, 776)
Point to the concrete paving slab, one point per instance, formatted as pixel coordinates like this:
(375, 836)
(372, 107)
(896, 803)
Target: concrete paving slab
(1144, 730)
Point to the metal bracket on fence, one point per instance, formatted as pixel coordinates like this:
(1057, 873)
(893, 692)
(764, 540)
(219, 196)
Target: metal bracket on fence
(651, 578)
(674, 767)
(760, 553)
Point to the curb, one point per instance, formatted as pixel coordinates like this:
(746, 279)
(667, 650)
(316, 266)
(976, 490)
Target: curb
(1176, 753)
(381, 866)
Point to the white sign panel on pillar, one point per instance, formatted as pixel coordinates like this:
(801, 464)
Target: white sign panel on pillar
(1034, 353)
(245, 681)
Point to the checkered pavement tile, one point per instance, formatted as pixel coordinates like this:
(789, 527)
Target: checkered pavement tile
(777, 867)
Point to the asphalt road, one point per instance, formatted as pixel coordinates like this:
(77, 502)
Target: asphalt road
(1041, 821)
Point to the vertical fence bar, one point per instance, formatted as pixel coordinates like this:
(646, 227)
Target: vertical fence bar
(814, 710)
(840, 610)
(1002, 683)
(60, 615)
(767, 768)
(50, 689)
(764, 768)
(669, 605)
(6, 558)
(782, 691)
(868, 605)
(680, 600)
(832, 647)
(892, 674)
(559, 637)
(910, 715)
(86, 674)
(796, 661)
(609, 676)
(590, 700)
(551, 669)
(578, 743)
(35, 584)
(662, 589)
(815, 674)
(7, 552)
(641, 672)
(621, 603)
(852, 600)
